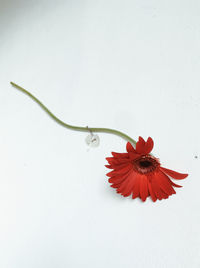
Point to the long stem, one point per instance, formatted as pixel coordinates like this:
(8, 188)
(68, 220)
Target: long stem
(77, 128)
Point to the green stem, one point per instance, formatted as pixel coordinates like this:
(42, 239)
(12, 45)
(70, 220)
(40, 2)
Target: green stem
(85, 129)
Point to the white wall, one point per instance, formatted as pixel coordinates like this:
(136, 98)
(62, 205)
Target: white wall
(130, 65)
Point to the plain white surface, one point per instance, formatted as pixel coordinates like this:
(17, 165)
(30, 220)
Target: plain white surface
(129, 65)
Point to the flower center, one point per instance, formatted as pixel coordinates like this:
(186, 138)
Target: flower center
(146, 164)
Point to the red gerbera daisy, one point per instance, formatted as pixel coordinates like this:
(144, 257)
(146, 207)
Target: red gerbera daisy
(140, 174)
(136, 172)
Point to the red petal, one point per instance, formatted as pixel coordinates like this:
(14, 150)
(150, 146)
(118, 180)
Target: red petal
(122, 160)
(119, 178)
(174, 184)
(133, 156)
(164, 183)
(174, 174)
(116, 179)
(156, 189)
(115, 185)
(118, 167)
(171, 182)
(134, 181)
(117, 161)
(122, 186)
(149, 145)
(120, 155)
(129, 147)
(110, 160)
(127, 185)
(109, 166)
(165, 196)
(119, 172)
(152, 194)
(136, 187)
(144, 193)
(140, 146)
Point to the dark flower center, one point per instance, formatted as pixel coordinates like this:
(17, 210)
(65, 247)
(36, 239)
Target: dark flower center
(146, 164)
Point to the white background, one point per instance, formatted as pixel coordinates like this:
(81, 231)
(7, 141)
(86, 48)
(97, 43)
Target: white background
(129, 65)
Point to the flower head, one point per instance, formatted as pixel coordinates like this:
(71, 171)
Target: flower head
(140, 174)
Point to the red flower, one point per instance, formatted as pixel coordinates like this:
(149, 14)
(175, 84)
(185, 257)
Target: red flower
(139, 173)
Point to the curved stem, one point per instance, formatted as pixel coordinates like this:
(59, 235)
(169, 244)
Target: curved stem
(77, 128)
